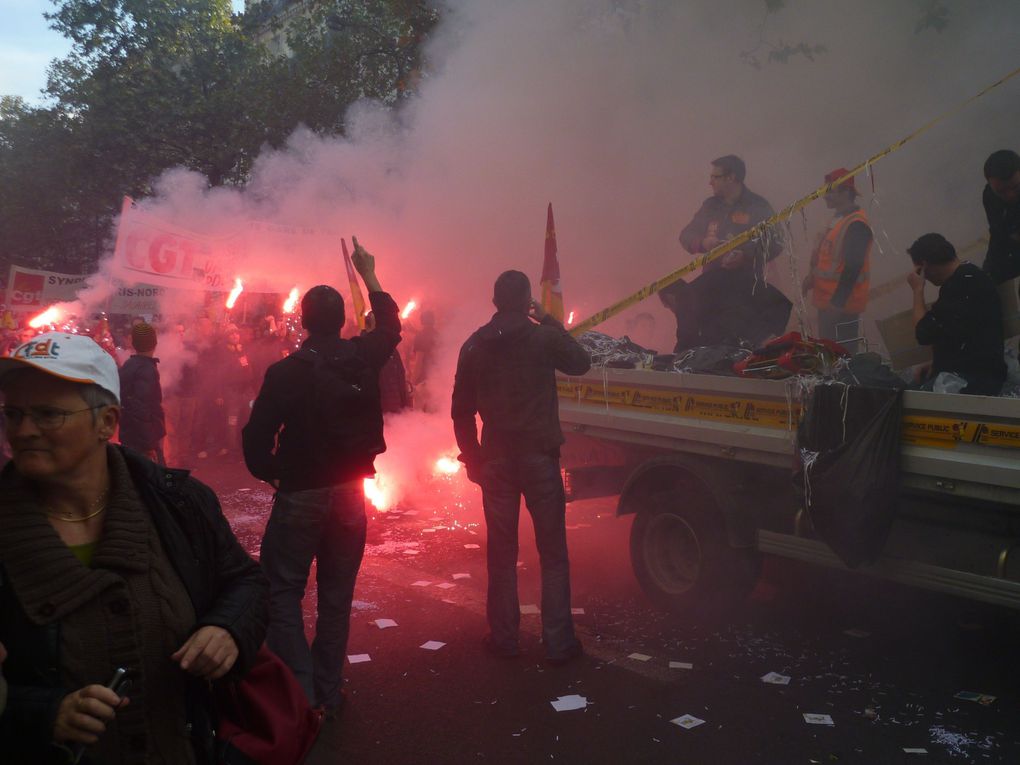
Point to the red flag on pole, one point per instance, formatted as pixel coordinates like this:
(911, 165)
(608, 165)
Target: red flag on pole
(552, 296)
(356, 297)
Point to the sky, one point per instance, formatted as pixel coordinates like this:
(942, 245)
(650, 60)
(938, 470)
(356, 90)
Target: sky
(28, 45)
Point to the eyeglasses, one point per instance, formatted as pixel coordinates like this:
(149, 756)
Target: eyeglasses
(43, 417)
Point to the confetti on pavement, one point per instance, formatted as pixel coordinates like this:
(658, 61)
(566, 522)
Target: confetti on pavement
(774, 678)
(687, 721)
(384, 623)
(817, 719)
(681, 665)
(639, 657)
(462, 576)
(421, 583)
(359, 658)
(569, 703)
(530, 608)
(472, 546)
(432, 645)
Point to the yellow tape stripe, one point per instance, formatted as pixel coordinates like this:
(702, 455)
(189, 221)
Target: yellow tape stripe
(699, 262)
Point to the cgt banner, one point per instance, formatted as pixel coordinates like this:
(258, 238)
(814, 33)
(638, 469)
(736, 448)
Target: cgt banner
(32, 291)
(163, 254)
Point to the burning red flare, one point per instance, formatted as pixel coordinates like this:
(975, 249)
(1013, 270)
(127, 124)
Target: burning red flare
(291, 302)
(235, 293)
(378, 493)
(447, 466)
(408, 309)
(50, 316)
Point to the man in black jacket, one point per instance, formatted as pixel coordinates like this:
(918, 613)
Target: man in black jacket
(142, 422)
(964, 326)
(1002, 208)
(314, 431)
(506, 374)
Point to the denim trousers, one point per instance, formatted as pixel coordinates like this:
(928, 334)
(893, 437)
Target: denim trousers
(327, 525)
(503, 481)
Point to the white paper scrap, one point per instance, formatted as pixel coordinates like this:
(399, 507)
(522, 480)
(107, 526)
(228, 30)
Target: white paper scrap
(410, 512)
(462, 576)
(530, 608)
(816, 719)
(681, 665)
(432, 645)
(421, 583)
(914, 750)
(687, 721)
(358, 658)
(429, 531)
(445, 585)
(776, 679)
(857, 633)
(639, 657)
(471, 546)
(577, 611)
(384, 623)
(569, 703)
(410, 552)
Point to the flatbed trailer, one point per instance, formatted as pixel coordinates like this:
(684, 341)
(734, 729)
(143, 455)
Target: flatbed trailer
(706, 464)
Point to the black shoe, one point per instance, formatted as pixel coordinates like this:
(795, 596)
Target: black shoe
(335, 712)
(576, 651)
(498, 651)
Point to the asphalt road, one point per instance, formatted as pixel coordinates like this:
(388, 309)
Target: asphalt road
(887, 686)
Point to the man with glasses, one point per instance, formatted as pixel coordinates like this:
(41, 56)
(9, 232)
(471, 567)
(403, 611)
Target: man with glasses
(730, 302)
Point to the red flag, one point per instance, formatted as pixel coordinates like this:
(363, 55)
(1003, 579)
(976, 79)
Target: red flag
(552, 296)
(356, 297)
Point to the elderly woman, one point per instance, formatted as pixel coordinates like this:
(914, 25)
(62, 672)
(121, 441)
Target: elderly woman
(108, 561)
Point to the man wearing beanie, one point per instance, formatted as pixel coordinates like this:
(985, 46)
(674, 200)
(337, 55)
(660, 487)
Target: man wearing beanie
(142, 423)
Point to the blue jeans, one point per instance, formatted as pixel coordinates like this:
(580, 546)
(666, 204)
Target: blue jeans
(503, 481)
(328, 525)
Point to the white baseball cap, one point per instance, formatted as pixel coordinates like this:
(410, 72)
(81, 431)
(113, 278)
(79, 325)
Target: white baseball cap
(77, 358)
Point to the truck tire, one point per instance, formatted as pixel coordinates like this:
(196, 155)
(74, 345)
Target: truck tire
(681, 557)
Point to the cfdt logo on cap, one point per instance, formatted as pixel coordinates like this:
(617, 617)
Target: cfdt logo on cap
(48, 349)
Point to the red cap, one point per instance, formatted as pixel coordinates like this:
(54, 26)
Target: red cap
(838, 173)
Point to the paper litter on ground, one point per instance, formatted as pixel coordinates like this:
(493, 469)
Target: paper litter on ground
(432, 645)
(445, 585)
(680, 665)
(687, 721)
(577, 611)
(384, 623)
(530, 608)
(816, 719)
(639, 657)
(358, 658)
(410, 552)
(569, 703)
(775, 678)
(429, 531)
(410, 512)
(914, 750)
(857, 633)
(462, 576)
(421, 583)
(471, 546)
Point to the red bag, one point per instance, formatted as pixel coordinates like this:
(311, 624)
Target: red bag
(265, 718)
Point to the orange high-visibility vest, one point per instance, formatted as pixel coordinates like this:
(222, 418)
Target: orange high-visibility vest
(829, 263)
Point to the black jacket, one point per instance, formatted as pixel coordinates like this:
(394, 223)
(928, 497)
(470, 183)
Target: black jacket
(1002, 262)
(287, 456)
(507, 374)
(142, 423)
(964, 328)
(226, 587)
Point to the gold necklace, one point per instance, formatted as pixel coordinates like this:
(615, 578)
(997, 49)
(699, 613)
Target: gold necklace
(69, 518)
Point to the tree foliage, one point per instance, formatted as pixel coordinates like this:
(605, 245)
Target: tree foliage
(155, 84)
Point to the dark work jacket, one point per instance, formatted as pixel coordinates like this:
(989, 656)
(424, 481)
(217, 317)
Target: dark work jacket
(226, 587)
(507, 374)
(272, 454)
(142, 423)
(1002, 262)
(964, 328)
(749, 210)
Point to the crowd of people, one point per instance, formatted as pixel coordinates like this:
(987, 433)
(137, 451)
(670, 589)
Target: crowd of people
(114, 565)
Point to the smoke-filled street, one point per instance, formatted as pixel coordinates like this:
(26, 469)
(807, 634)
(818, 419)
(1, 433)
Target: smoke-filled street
(884, 662)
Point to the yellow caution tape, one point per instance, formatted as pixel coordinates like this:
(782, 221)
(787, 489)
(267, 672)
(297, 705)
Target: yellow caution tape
(759, 230)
